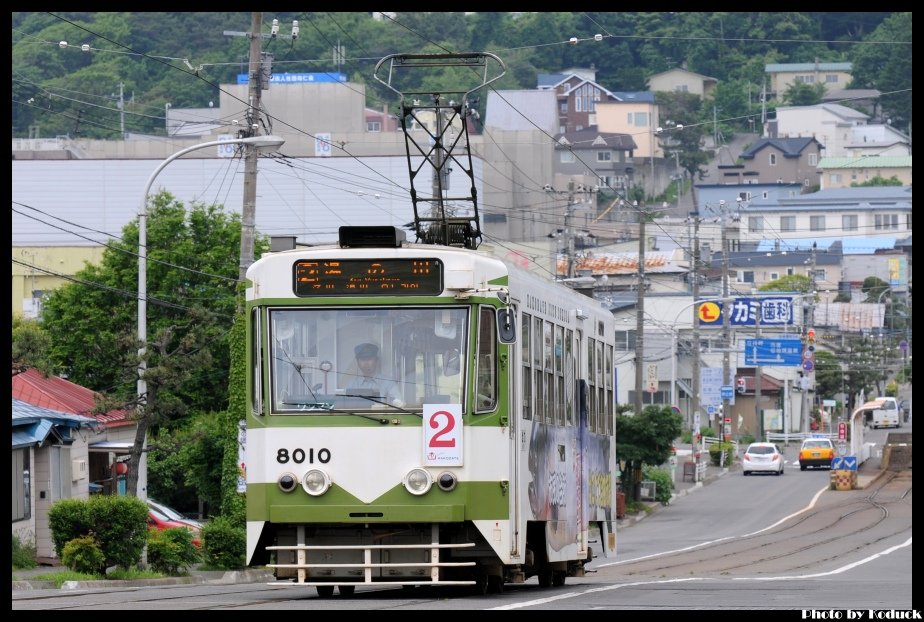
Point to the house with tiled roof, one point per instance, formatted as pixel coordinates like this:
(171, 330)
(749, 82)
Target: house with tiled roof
(680, 80)
(779, 160)
(844, 131)
(783, 75)
(50, 463)
(88, 446)
(844, 172)
(607, 154)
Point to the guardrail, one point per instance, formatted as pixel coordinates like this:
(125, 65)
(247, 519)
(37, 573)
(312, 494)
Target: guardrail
(798, 437)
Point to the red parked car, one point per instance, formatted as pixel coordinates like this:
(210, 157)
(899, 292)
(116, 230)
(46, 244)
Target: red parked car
(158, 520)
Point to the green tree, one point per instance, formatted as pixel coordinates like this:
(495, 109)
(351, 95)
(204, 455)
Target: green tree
(789, 283)
(191, 289)
(801, 94)
(878, 181)
(30, 346)
(645, 439)
(884, 63)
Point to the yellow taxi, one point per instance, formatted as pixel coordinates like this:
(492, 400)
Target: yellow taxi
(816, 451)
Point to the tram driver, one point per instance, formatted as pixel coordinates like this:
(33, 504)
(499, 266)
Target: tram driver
(368, 381)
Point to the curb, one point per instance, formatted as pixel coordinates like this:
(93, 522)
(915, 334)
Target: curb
(229, 577)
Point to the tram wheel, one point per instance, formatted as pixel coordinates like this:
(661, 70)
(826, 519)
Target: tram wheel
(346, 590)
(558, 578)
(495, 584)
(325, 591)
(545, 577)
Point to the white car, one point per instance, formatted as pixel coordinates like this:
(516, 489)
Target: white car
(762, 457)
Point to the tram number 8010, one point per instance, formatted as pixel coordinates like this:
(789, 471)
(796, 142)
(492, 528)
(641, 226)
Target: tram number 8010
(298, 456)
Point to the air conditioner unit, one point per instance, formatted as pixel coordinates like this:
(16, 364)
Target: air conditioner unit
(78, 470)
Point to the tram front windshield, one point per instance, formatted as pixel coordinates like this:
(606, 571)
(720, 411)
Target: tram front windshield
(351, 358)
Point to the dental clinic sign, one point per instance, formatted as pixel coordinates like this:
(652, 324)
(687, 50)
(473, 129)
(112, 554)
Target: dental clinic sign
(769, 311)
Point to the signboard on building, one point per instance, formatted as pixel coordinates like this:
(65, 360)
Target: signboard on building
(769, 311)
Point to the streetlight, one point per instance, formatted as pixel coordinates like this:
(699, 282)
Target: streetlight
(260, 143)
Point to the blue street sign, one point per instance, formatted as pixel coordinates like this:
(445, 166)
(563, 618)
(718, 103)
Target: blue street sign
(808, 365)
(727, 392)
(775, 311)
(837, 463)
(850, 463)
(783, 352)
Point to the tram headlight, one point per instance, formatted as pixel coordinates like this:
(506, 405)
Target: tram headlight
(418, 481)
(287, 482)
(446, 481)
(316, 482)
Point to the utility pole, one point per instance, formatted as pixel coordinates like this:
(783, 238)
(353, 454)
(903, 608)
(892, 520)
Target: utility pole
(254, 88)
(809, 375)
(569, 233)
(697, 369)
(726, 325)
(640, 311)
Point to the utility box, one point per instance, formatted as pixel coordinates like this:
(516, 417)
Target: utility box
(647, 490)
(620, 505)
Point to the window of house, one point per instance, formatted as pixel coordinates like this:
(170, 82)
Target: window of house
(746, 276)
(774, 276)
(681, 88)
(849, 222)
(563, 107)
(373, 126)
(638, 119)
(755, 224)
(22, 485)
(835, 178)
(566, 157)
(831, 78)
(787, 223)
(817, 223)
(806, 182)
(604, 156)
(606, 181)
(813, 159)
(772, 159)
(886, 221)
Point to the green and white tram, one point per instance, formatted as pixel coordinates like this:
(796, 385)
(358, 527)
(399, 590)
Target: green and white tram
(476, 449)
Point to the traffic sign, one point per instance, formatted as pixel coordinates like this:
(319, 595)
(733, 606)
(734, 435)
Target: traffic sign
(727, 392)
(808, 365)
(837, 463)
(842, 431)
(782, 352)
(850, 463)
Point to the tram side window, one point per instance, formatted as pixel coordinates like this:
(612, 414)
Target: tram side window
(559, 377)
(549, 380)
(608, 411)
(525, 327)
(569, 377)
(256, 362)
(591, 388)
(601, 388)
(485, 376)
(538, 388)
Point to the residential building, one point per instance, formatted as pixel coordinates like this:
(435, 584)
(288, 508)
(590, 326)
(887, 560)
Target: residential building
(682, 81)
(845, 172)
(783, 75)
(49, 463)
(783, 160)
(844, 131)
(607, 155)
(577, 96)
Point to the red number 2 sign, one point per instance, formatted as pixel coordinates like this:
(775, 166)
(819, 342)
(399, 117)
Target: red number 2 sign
(442, 434)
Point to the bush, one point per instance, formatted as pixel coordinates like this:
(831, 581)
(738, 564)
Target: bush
(715, 451)
(664, 485)
(746, 439)
(23, 553)
(171, 551)
(84, 555)
(118, 524)
(224, 545)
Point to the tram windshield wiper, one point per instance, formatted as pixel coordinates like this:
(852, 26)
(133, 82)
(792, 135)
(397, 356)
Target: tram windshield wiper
(378, 400)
